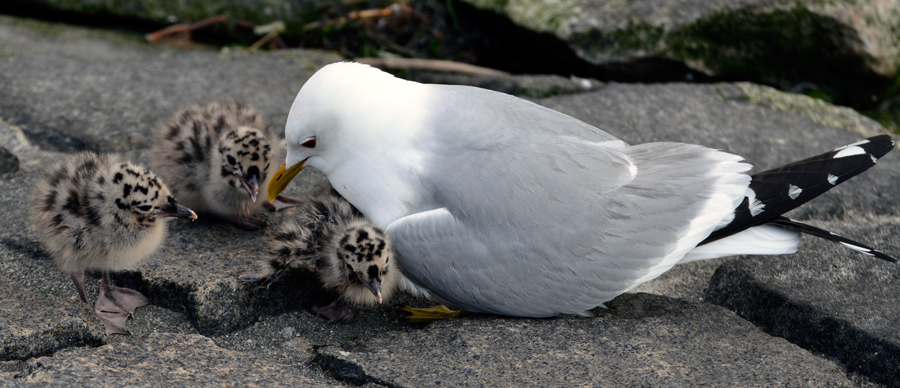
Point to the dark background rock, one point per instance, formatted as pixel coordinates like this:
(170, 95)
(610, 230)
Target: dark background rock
(9, 163)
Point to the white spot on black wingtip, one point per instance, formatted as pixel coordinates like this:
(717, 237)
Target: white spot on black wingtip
(861, 142)
(832, 179)
(859, 249)
(794, 191)
(843, 153)
(756, 207)
(874, 159)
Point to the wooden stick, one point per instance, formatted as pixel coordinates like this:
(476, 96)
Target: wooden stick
(431, 65)
(188, 27)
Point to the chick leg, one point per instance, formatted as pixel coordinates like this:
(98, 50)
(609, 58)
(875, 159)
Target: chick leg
(282, 202)
(78, 279)
(336, 312)
(114, 322)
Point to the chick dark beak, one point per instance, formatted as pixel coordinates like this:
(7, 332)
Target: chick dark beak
(373, 285)
(176, 210)
(250, 185)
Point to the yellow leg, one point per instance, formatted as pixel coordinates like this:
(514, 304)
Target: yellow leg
(431, 314)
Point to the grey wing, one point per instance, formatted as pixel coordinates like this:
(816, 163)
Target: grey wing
(558, 225)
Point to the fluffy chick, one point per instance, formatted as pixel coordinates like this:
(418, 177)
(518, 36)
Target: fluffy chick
(217, 158)
(99, 212)
(348, 253)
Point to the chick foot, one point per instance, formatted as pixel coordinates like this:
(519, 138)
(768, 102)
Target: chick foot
(336, 312)
(282, 202)
(115, 304)
(249, 222)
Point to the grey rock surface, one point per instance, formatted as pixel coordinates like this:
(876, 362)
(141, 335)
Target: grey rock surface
(641, 340)
(58, 91)
(763, 40)
(72, 88)
(825, 299)
(161, 360)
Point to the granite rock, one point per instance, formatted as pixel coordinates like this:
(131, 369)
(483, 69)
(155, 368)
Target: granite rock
(161, 360)
(641, 340)
(71, 88)
(824, 298)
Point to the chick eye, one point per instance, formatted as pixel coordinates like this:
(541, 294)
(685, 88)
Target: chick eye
(145, 208)
(349, 267)
(231, 160)
(310, 143)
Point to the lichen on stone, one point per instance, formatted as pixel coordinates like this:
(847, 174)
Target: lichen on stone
(816, 110)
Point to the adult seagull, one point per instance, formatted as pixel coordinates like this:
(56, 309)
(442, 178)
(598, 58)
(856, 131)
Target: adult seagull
(498, 205)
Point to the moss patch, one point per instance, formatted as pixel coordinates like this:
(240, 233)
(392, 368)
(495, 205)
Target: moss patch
(814, 109)
(777, 46)
(637, 38)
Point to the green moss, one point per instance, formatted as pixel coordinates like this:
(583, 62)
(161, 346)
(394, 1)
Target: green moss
(769, 45)
(814, 109)
(888, 118)
(636, 36)
(536, 15)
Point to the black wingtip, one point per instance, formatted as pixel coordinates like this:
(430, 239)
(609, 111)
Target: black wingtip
(787, 223)
(883, 256)
(774, 192)
(879, 145)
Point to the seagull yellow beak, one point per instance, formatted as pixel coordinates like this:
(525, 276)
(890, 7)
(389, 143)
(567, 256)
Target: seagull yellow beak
(281, 179)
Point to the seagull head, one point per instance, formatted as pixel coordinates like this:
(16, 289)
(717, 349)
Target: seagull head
(346, 121)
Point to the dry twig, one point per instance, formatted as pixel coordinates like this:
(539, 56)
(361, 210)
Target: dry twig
(430, 65)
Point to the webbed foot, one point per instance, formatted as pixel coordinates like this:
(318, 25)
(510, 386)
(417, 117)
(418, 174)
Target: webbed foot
(336, 312)
(431, 314)
(249, 222)
(282, 202)
(115, 304)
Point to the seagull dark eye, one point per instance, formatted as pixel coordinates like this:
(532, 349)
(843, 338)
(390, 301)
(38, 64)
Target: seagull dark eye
(145, 208)
(310, 143)
(231, 160)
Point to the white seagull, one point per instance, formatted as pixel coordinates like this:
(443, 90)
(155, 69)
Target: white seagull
(498, 205)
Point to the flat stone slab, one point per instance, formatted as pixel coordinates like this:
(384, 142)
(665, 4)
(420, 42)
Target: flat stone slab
(170, 360)
(833, 302)
(71, 88)
(642, 340)
(35, 319)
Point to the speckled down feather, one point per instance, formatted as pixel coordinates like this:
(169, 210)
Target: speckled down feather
(330, 237)
(97, 212)
(199, 148)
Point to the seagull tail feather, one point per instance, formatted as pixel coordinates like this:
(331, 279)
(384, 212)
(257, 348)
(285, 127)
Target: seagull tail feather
(774, 192)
